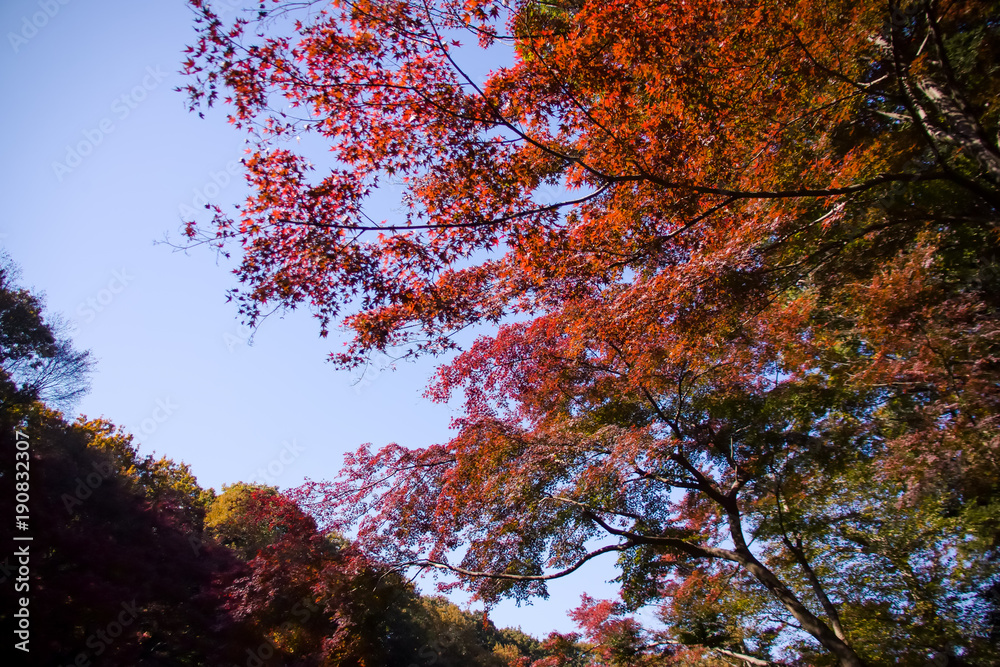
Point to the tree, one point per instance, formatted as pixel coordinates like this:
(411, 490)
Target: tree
(910, 587)
(235, 522)
(37, 359)
(774, 261)
(133, 563)
(305, 598)
(308, 598)
(113, 575)
(167, 487)
(125, 572)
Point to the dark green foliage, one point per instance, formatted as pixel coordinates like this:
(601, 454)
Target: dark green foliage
(36, 360)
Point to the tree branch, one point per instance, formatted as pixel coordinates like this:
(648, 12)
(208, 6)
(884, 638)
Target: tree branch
(518, 577)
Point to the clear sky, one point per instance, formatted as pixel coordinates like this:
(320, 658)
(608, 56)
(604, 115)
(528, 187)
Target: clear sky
(101, 159)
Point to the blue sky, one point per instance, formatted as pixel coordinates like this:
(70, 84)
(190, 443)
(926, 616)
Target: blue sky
(101, 160)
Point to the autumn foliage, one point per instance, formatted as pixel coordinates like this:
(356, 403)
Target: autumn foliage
(132, 564)
(140, 567)
(735, 264)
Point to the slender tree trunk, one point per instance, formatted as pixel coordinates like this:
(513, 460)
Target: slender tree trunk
(809, 621)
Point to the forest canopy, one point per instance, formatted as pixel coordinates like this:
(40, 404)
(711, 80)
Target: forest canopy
(731, 269)
(137, 565)
(734, 265)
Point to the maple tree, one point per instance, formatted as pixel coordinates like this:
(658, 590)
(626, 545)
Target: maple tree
(731, 251)
(911, 586)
